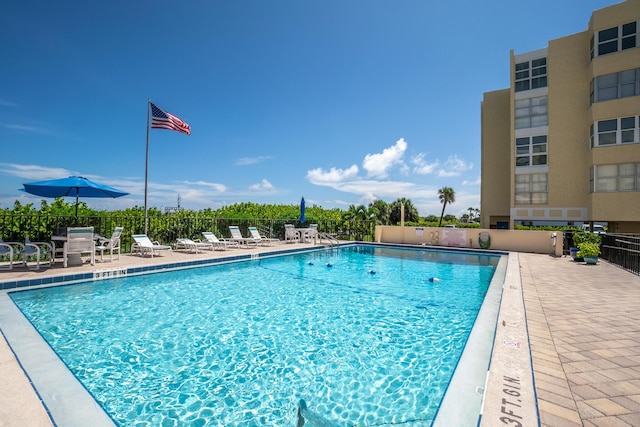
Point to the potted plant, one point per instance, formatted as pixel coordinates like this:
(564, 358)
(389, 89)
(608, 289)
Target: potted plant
(589, 251)
(580, 237)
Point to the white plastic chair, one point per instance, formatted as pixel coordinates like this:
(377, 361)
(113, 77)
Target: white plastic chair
(311, 233)
(291, 235)
(265, 241)
(220, 244)
(191, 245)
(236, 236)
(42, 251)
(112, 244)
(9, 250)
(145, 246)
(79, 242)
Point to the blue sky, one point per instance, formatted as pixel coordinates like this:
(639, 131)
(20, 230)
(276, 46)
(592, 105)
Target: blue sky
(339, 101)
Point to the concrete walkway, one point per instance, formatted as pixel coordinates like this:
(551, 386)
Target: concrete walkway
(584, 331)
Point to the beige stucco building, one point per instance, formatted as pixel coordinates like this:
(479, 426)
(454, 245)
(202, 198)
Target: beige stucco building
(562, 144)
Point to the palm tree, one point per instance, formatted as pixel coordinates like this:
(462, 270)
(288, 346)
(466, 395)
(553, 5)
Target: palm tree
(410, 211)
(382, 209)
(358, 218)
(446, 195)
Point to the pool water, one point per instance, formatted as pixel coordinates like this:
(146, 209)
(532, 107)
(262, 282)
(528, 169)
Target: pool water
(360, 333)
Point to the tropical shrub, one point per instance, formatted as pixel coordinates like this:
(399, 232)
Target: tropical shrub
(588, 249)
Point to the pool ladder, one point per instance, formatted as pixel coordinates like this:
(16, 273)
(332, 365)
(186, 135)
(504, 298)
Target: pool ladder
(332, 240)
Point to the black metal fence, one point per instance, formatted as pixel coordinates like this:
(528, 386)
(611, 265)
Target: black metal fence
(167, 228)
(622, 250)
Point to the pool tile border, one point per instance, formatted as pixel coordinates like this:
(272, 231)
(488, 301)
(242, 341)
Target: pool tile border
(13, 285)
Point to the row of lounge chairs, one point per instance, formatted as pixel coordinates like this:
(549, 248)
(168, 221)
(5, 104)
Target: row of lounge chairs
(144, 246)
(81, 241)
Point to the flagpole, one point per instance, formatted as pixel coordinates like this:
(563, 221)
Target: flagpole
(146, 167)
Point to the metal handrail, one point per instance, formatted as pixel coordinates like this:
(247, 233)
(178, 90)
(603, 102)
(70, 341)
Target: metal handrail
(332, 240)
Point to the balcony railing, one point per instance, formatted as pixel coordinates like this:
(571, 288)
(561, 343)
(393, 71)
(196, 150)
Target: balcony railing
(622, 250)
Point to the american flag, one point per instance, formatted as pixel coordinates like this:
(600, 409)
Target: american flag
(165, 120)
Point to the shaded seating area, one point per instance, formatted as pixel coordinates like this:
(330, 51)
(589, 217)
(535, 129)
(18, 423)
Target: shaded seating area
(219, 244)
(191, 245)
(143, 246)
(261, 240)
(111, 244)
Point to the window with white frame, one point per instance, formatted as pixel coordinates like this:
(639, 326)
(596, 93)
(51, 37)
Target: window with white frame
(615, 39)
(531, 189)
(531, 112)
(623, 130)
(531, 74)
(531, 151)
(615, 178)
(616, 85)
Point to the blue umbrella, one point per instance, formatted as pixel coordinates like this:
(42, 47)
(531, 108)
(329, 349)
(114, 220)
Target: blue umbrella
(302, 218)
(73, 186)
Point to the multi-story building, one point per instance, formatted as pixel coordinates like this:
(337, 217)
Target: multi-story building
(562, 144)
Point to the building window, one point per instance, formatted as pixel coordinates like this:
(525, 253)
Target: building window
(531, 74)
(615, 39)
(625, 130)
(531, 151)
(531, 112)
(531, 189)
(616, 178)
(616, 85)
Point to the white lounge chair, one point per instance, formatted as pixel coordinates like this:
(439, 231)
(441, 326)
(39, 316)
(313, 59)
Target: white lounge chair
(261, 240)
(220, 244)
(191, 245)
(145, 246)
(111, 244)
(79, 242)
(291, 235)
(236, 236)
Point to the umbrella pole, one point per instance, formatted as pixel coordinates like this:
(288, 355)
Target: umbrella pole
(77, 191)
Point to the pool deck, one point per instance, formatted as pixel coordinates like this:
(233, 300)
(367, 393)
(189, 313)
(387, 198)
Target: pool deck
(583, 326)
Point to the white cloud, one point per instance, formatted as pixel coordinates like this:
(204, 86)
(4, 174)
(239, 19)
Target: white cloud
(476, 181)
(422, 167)
(218, 188)
(244, 161)
(28, 129)
(454, 166)
(333, 176)
(378, 165)
(35, 172)
(263, 185)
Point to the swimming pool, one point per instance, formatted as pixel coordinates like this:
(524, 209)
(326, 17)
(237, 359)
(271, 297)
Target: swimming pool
(368, 340)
